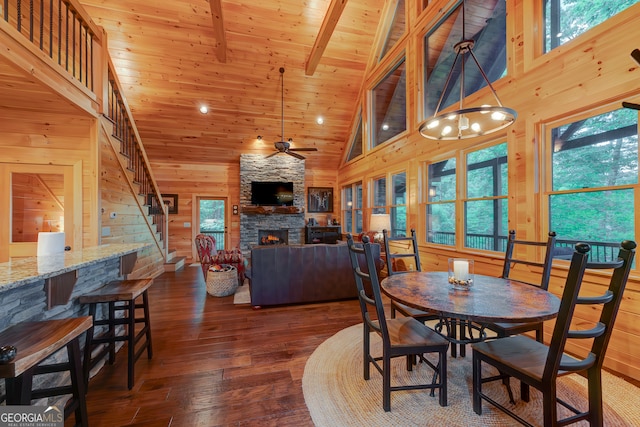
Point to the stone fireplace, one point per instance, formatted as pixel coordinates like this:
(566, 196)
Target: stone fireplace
(257, 167)
(273, 237)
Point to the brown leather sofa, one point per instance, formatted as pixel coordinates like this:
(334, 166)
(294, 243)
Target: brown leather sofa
(293, 274)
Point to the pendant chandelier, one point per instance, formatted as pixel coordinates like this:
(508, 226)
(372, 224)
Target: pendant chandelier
(467, 122)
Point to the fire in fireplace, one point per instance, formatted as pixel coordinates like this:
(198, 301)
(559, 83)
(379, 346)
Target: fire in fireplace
(273, 237)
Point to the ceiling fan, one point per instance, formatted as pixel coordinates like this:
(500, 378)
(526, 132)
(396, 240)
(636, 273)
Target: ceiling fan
(283, 146)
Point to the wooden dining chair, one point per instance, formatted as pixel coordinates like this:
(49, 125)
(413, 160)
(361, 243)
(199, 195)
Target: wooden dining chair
(511, 259)
(538, 365)
(404, 336)
(403, 257)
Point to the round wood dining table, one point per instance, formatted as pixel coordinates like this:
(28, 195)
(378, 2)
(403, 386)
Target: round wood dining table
(489, 300)
(463, 313)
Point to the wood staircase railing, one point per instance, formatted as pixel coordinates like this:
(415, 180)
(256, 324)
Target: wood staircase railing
(64, 31)
(125, 131)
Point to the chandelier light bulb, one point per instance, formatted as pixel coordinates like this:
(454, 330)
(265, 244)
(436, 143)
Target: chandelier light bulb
(446, 130)
(463, 123)
(498, 116)
(476, 127)
(433, 124)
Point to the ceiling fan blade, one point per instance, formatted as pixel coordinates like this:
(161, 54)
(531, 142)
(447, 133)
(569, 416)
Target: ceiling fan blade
(303, 149)
(297, 156)
(272, 154)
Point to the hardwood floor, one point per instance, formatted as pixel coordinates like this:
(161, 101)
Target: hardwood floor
(215, 363)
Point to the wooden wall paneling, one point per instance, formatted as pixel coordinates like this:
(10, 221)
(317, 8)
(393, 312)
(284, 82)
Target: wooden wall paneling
(190, 181)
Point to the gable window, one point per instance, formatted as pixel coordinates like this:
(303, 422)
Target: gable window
(389, 105)
(564, 20)
(486, 25)
(396, 28)
(594, 177)
(352, 208)
(356, 142)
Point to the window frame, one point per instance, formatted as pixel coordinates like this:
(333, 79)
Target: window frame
(461, 195)
(546, 167)
(351, 211)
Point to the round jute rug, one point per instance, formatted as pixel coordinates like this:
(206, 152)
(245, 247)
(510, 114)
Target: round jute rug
(337, 395)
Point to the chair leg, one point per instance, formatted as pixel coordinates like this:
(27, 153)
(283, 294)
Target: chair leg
(366, 352)
(131, 342)
(596, 416)
(147, 323)
(550, 409)
(524, 392)
(112, 333)
(477, 384)
(78, 383)
(442, 369)
(386, 382)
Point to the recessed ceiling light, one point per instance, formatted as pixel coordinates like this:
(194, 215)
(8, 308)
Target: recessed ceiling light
(204, 109)
(319, 120)
(259, 137)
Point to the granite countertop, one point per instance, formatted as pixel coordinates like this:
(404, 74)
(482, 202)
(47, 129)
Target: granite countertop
(19, 271)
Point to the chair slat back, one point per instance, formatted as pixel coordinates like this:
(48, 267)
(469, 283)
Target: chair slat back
(413, 252)
(601, 331)
(359, 252)
(511, 257)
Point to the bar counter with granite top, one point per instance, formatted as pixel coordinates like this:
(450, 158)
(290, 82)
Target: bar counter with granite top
(19, 271)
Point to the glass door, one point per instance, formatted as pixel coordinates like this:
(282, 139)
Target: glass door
(211, 220)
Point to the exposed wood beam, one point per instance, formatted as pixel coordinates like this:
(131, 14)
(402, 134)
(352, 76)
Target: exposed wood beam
(218, 30)
(326, 30)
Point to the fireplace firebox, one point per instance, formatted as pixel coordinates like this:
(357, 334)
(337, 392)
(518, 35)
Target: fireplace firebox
(273, 237)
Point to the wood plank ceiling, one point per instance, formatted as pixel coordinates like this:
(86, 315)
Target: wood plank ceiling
(171, 60)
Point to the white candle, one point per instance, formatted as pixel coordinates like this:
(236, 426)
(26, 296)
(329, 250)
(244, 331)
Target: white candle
(461, 270)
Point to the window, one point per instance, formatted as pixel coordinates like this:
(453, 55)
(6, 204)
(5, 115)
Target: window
(441, 202)
(396, 29)
(356, 142)
(398, 207)
(487, 26)
(352, 208)
(379, 202)
(485, 203)
(486, 213)
(594, 177)
(389, 106)
(566, 19)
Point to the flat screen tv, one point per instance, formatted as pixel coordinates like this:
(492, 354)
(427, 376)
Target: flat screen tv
(271, 193)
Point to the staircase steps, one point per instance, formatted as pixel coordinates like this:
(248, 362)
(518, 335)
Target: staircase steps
(174, 263)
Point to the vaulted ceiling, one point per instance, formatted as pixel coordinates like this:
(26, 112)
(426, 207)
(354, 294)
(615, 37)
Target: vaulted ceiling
(171, 57)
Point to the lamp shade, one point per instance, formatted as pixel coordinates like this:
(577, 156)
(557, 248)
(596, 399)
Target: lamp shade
(379, 222)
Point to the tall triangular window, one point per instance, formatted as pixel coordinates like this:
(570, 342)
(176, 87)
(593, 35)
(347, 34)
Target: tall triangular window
(396, 28)
(355, 149)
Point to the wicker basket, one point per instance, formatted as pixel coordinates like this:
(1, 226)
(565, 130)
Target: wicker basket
(221, 283)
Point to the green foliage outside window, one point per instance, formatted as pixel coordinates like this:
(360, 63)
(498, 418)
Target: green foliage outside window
(594, 175)
(566, 19)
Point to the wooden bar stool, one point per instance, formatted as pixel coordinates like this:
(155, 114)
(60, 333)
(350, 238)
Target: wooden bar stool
(35, 342)
(121, 296)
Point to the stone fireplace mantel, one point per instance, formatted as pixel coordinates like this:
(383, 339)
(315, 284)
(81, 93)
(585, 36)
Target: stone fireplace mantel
(257, 167)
